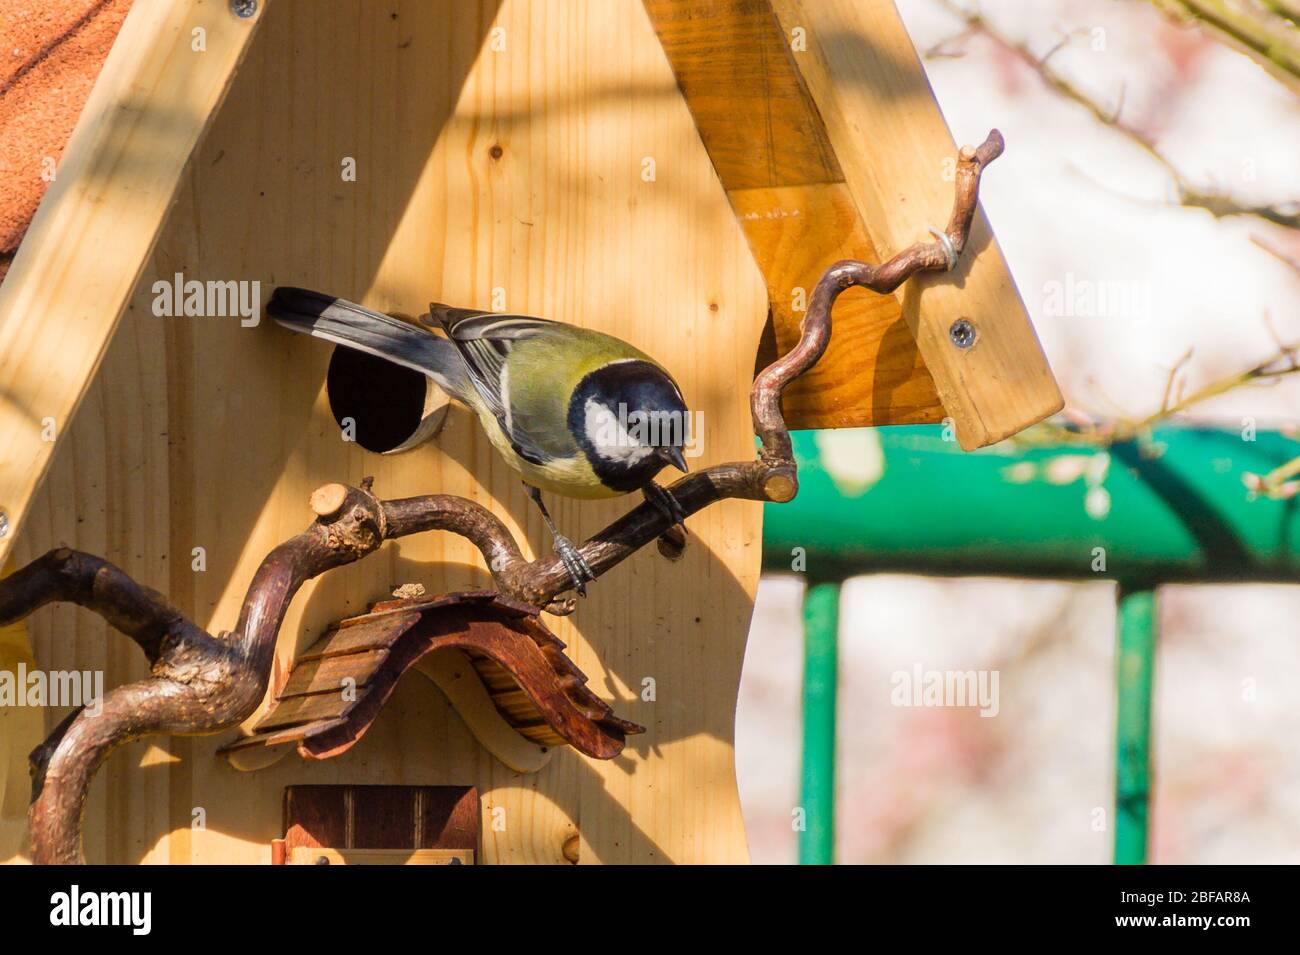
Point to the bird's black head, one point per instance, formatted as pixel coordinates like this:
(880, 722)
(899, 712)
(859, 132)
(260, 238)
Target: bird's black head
(630, 420)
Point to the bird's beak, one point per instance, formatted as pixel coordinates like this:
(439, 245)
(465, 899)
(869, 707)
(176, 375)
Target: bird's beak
(674, 456)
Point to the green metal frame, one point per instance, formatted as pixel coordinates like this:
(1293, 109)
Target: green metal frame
(1173, 508)
(1134, 668)
(821, 626)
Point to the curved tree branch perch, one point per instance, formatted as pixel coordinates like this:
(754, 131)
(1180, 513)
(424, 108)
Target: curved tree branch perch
(202, 684)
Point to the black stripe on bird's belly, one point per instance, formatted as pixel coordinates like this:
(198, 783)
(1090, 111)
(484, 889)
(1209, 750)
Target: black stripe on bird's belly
(637, 386)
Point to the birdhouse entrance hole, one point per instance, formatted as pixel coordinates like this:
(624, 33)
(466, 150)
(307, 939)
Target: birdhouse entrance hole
(384, 407)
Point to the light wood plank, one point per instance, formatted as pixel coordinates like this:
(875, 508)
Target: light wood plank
(95, 228)
(789, 103)
(774, 157)
(892, 142)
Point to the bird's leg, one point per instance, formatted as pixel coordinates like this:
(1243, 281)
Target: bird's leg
(579, 571)
(672, 541)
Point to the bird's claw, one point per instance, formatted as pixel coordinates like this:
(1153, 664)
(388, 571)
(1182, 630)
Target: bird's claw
(580, 571)
(672, 542)
(663, 499)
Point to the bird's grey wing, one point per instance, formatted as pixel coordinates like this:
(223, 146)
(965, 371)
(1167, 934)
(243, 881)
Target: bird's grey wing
(484, 341)
(467, 324)
(346, 323)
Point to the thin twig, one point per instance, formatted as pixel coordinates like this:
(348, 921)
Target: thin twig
(1265, 31)
(1173, 375)
(1277, 253)
(1282, 363)
(1278, 482)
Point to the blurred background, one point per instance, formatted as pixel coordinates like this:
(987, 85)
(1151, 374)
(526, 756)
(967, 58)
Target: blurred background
(1159, 154)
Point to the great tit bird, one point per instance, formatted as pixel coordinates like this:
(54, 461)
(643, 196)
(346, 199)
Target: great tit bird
(574, 411)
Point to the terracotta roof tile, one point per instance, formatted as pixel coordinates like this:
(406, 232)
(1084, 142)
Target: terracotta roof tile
(51, 51)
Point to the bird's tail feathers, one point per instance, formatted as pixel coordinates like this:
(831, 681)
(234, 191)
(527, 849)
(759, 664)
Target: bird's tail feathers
(346, 323)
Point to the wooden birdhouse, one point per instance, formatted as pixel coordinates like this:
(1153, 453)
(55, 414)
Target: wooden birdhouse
(679, 173)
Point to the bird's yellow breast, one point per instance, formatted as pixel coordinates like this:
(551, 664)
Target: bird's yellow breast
(570, 477)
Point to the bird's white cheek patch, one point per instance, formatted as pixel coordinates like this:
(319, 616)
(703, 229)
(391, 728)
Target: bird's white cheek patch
(609, 437)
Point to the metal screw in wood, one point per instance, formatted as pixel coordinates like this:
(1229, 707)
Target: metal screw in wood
(962, 333)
